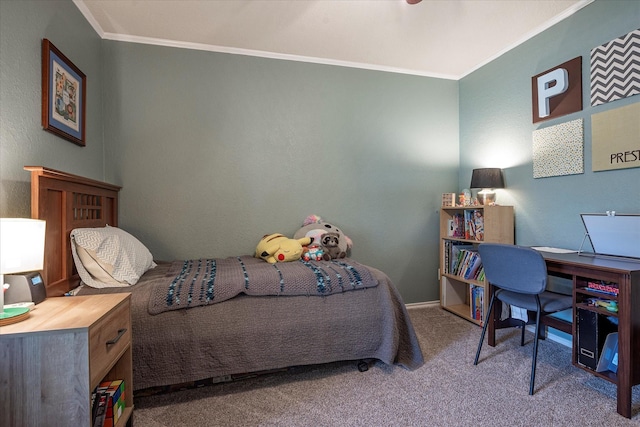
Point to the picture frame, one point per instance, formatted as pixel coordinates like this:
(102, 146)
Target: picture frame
(63, 95)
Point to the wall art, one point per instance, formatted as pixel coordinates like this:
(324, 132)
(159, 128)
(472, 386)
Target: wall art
(557, 91)
(558, 150)
(615, 138)
(63, 95)
(615, 69)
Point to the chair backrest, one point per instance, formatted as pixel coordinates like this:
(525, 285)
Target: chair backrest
(514, 268)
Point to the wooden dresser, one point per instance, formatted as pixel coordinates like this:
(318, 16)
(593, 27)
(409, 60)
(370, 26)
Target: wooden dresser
(51, 362)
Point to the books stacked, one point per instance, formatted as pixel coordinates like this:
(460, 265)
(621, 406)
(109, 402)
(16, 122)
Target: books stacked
(465, 262)
(452, 253)
(604, 287)
(108, 403)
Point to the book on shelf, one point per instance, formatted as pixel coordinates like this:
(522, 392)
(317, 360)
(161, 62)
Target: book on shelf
(474, 266)
(478, 221)
(469, 225)
(468, 256)
(467, 263)
(99, 407)
(456, 226)
(473, 224)
(455, 252)
(603, 287)
(446, 254)
(110, 400)
(476, 300)
(462, 259)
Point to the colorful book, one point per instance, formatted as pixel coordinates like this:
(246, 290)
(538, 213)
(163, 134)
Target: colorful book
(476, 300)
(474, 267)
(100, 408)
(458, 226)
(469, 225)
(114, 402)
(456, 255)
(478, 221)
(479, 303)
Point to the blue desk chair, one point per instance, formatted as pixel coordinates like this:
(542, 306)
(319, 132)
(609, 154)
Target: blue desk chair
(519, 278)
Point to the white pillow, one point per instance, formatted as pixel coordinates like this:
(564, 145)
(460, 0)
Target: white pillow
(109, 256)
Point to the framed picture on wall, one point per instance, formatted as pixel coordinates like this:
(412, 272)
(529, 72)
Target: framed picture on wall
(63, 95)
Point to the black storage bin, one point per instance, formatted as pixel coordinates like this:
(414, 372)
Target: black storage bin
(592, 331)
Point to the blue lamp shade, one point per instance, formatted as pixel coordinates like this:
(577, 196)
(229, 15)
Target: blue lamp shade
(487, 179)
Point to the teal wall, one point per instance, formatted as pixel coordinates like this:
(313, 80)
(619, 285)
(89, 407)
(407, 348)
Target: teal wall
(496, 129)
(23, 25)
(215, 150)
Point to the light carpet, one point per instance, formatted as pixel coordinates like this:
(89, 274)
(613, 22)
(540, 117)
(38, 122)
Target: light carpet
(447, 391)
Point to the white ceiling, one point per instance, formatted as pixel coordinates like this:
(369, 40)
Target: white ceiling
(437, 38)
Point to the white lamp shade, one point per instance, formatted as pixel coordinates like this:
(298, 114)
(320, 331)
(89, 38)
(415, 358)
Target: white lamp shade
(22, 245)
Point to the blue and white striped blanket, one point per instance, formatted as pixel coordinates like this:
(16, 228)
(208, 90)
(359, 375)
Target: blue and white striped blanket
(200, 282)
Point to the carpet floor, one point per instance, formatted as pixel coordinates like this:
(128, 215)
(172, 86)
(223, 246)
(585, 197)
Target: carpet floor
(447, 391)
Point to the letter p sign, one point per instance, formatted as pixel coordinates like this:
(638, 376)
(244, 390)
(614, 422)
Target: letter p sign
(558, 91)
(549, 85)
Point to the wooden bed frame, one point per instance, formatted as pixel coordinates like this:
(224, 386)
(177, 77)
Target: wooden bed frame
(65, 202)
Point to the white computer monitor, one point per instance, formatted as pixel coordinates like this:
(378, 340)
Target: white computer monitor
(613, 234)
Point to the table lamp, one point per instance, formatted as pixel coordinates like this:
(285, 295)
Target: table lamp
(21, 248)
(487, 179)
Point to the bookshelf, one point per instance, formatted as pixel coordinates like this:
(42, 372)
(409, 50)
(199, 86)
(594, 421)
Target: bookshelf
(463, 290)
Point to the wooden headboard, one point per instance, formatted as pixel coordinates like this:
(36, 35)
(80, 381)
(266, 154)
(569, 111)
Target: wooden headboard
(65, 202)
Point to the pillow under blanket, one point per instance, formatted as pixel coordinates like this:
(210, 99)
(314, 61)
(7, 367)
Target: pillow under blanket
(200, 282)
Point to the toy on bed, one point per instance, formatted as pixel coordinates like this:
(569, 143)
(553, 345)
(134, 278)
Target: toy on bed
(334, 243)
(331, 245)
(279, 248)
(312, 252)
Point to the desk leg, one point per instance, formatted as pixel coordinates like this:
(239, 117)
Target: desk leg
(625, 353)
(492, 318)
(624, 400)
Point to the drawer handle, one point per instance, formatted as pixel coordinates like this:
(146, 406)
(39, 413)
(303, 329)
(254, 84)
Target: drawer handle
(121, 332)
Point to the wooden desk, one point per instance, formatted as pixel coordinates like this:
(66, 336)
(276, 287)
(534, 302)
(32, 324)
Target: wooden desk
(583, 268)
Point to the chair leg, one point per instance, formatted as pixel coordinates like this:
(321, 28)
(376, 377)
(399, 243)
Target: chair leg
(535, 350)
(524, 326)
(484, 328)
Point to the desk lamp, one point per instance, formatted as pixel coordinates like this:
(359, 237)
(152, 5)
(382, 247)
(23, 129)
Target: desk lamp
(487, 179)
(21, 248)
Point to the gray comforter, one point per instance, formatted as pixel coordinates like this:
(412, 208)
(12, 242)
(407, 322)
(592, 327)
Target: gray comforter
(256, 333)
(199, 282)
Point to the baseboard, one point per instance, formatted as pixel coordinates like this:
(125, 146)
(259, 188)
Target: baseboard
(554, 336)
(422, 304)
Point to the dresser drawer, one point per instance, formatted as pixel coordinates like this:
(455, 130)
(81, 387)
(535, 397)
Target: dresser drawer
(108, 339)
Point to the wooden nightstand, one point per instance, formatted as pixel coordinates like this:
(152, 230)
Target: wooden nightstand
(51, 362)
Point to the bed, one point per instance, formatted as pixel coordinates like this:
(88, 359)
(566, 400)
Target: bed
(221, 341)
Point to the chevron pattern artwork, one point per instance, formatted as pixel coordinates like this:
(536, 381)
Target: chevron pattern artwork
(615, 69)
